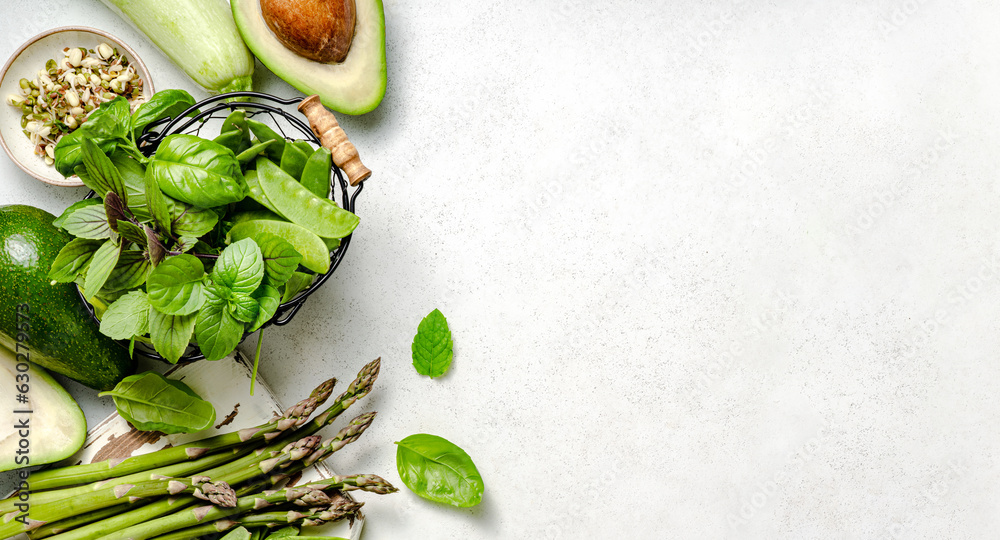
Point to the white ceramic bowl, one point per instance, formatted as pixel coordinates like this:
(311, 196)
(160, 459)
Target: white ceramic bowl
(25, 63)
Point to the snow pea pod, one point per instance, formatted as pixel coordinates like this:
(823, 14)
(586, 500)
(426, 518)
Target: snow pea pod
(235, 135)
(316, 173)
(300, 205)
(247, 156)
(197, 171)
(265, 133)
(256, 193)
(293, 160)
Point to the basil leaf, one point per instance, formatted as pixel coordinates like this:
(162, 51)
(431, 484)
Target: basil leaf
(134, 177)
(72, 260)
(432, 346)
(58, 222)
(69, 152)
(187, 220)
(115, 210)
(268, 298)
(217, 331)
(157, 251)
(127, 317)
(240, 267)
(176, 285)
(104, 261)
(171, 334)
(130, 272)
(186, 243)
(243, 307)
(104, 127)
(163, 104)
(156, 203)
(439, 471)
(132, 232)
(197, 171)
(280, 258)
(88, 222)
(151, 402)
(299, 282)
(104, 178)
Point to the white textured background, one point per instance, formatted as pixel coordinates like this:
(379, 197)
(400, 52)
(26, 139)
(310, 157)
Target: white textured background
(715, 269)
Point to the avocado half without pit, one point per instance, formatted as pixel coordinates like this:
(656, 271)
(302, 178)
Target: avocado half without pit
(332, 48)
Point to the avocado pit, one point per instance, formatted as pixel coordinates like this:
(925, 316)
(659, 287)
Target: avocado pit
(320, 30)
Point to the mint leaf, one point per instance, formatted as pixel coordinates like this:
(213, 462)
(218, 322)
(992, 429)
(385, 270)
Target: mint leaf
(170, 334)
(176, 285)
(217, 331)
(104, 261)
(127, 317)
(72, 260)
(240, 267)
(88, 222)
(432, 346)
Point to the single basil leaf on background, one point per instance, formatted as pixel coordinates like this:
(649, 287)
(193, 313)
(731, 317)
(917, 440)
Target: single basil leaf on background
(103, 262)
(156, 203)
(130, 272)
(268, 298)
(163, 104)
(176, 285)
(101, 172)
(432, 346)
(132, 232)
(187, 220)
(280, 258)
(299, 282)
(88, 222)
(59, 221)
(243, 307)
(197, 171)
(438, 470)
(72, 260)
(134, 177)
(151, 402)
(171, 334)
(126, 317)
(217, 331)
(240, 267)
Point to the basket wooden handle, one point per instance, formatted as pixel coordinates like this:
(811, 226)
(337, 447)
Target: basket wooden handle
(333, 138)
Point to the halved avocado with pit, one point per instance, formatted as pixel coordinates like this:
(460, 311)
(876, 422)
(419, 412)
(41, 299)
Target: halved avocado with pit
(354, 86)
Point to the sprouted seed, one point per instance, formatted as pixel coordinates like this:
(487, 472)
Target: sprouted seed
(62, 95)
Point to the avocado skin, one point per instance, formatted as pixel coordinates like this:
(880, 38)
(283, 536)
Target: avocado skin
(62, 336)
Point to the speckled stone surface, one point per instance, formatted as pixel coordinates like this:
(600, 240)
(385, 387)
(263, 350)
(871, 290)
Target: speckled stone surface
(715, 269)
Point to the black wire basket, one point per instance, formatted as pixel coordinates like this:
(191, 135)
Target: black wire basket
(208, 115)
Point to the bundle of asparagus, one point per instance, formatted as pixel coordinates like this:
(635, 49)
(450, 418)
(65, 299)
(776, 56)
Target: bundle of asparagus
(206, 486)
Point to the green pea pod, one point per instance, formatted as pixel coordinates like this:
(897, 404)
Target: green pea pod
(232, 140)
(316, 173)
(300, 205)
(235, 134)
(197, 171)
(250, 154)
(264, 133)
(236, 121)
(256, 192)
(293, 159)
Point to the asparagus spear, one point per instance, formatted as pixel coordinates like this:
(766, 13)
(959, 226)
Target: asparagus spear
(265, 471)
(294, 417)
(316, 506)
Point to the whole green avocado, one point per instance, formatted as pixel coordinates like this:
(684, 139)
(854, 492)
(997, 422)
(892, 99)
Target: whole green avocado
(60, 334)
